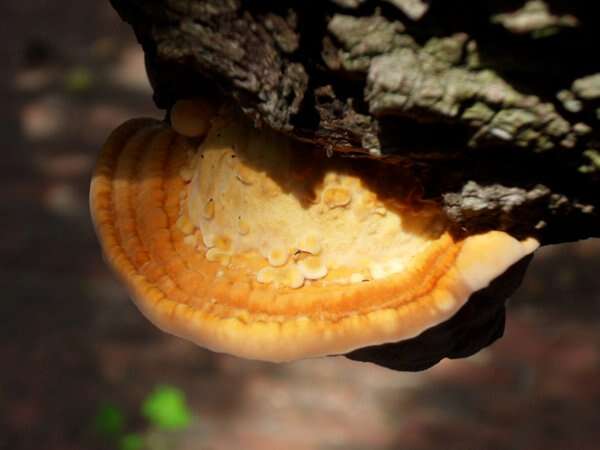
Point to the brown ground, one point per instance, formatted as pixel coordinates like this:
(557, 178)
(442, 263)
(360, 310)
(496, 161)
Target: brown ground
(70, 340)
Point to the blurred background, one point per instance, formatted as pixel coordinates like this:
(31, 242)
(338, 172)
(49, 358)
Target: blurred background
(80, 368)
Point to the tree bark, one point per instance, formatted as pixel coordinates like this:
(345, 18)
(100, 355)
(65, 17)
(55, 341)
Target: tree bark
(493, 105)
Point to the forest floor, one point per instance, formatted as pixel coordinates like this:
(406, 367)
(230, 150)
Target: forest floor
(71, 342)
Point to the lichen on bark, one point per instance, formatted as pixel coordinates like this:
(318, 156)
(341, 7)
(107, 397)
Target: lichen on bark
(479, 97)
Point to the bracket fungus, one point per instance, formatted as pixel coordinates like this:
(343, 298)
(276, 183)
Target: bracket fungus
(248, 243)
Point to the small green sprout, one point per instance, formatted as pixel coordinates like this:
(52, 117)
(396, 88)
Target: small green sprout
(131, 441)
(166, 408)
(109, 420)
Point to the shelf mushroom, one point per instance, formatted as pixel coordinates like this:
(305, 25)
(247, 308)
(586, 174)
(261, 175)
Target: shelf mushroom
(247, 243)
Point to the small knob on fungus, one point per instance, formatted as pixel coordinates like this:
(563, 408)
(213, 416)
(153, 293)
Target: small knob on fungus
(191, 117)
(241, 293)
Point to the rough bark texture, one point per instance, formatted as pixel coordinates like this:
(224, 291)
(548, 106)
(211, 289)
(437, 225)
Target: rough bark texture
(494, 105)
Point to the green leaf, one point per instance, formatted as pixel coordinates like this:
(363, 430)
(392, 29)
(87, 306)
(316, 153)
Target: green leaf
(131, 441)
(166, 408)
(109, 420)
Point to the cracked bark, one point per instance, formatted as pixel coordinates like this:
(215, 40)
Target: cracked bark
(495, 106)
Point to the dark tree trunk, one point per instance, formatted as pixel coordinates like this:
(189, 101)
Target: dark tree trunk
(495, 104)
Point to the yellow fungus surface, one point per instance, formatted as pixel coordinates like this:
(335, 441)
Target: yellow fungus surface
(248, 176)
(255, 246)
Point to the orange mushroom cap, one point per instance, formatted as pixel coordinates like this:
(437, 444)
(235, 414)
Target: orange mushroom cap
(255, 246)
